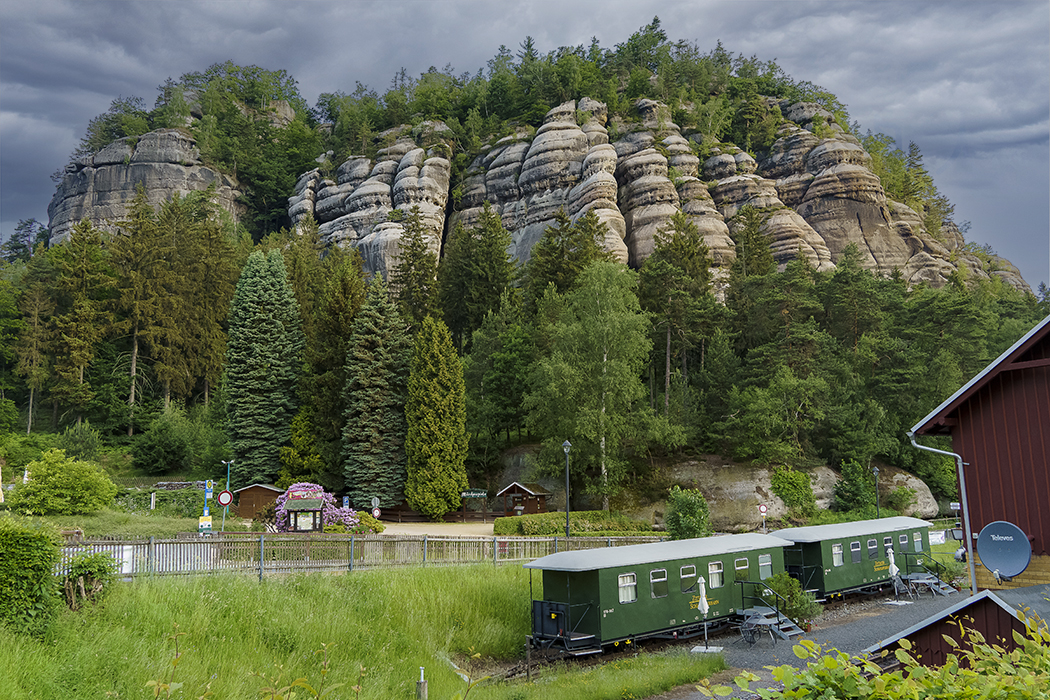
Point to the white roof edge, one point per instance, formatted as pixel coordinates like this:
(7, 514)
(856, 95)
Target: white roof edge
(980, 375)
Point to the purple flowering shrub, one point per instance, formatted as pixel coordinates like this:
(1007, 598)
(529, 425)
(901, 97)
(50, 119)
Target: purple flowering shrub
(331, 514)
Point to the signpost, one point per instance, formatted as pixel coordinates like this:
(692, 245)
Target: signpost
(762, 510)
(376, 513)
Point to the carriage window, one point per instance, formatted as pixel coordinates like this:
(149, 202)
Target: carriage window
(741, 567)
(714, 574)
(836, 554)
(688, 579)
(628, 588)
(658, 583)
(918, 541)
(765, 566)
(873, 549)
(904, 542)
(854, 552)
(887, 544)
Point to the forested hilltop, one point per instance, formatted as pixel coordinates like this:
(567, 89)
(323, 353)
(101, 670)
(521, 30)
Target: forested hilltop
(175, 331)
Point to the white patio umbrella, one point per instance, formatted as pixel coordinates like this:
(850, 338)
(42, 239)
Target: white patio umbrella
(893, 565)
(702, 605)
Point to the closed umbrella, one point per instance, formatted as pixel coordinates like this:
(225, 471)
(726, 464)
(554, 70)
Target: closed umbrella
(702, 605)
(893, 565)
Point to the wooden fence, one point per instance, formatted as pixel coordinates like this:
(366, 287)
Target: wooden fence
(276, 553)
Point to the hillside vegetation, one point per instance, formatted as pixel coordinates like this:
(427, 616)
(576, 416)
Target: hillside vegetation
(188, 338)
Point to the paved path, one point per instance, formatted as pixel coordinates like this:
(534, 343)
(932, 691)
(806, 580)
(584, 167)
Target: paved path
(460, 529)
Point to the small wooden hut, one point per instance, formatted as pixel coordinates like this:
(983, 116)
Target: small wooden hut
(524, 499)
(254, 498)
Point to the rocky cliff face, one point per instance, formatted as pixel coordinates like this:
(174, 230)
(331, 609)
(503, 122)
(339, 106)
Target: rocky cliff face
(100, 187)
(819, 192)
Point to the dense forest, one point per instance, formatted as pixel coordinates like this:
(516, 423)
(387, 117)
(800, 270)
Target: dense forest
(187, 338)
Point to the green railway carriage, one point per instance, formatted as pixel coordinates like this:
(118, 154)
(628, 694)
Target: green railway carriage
(844, 557)
(599, 597)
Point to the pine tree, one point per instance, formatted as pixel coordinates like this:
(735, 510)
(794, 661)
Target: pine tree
(35, 344)
(474, 272)
(142, 258)
(414, 277)
(377, 366)
(564, 251)
(82, 286)
(325, 354)
(436, 444)
(262, 368)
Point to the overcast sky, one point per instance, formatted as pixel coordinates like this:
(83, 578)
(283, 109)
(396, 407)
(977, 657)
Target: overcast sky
(969, 82)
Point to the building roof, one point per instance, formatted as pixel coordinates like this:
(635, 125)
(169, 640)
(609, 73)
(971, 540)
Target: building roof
(943, 615)
(1030, 600)
(531, 489)
(269, 487)
(860, 528)
(304, 504)
(636, 554)
(938, 421)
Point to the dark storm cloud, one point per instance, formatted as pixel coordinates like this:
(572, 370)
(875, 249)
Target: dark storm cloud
(967, 81)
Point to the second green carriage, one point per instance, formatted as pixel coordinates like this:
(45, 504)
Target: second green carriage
(601, 597)
(834, 559)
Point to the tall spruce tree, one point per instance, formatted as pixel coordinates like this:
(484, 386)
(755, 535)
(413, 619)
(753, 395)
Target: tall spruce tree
(437, 432)
(377, 365)
(564, 251)
(82, 287)
(414, 277)
(474, 272)
(35, 345)
(262, 368)
(326, 351)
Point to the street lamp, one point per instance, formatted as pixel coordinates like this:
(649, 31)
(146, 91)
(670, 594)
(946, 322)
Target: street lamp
(226, 509)
(875, 471)
(566, 446)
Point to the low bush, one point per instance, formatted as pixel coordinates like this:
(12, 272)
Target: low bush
(89, 578)
(177, 503)
(795, 490)
(61, 486)
(29, 552)
(582, 523)
(801, 606)
(687, 514)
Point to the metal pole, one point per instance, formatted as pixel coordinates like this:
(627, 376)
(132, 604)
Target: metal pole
(965, 505)
(875, 471)
(566, 446)
(226, 509)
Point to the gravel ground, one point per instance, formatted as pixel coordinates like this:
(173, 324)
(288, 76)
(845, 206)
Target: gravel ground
(850, 628)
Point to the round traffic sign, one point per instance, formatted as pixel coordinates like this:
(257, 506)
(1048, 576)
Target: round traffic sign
(762, 509)
(225, 498)
(375, 513)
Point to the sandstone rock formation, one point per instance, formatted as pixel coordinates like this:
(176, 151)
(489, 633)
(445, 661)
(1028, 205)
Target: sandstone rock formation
(818, 193)
(100, 187)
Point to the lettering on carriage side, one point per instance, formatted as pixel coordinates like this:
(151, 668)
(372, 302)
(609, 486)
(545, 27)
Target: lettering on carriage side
(882, 565)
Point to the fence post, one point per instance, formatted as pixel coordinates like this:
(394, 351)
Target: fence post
(555, 544)
(149, 556)
(262, 536)
(495, 551)
(424, 549)
(351, 552)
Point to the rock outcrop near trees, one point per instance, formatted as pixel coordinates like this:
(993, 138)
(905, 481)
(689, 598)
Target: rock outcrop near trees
(815, 188)
(100, 187)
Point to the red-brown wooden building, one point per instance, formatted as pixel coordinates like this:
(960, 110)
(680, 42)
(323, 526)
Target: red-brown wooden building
(999, 422)
(254, 498)
(993, 615)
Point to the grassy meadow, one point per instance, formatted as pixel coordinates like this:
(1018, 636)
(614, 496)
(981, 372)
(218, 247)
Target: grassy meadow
(238, 636)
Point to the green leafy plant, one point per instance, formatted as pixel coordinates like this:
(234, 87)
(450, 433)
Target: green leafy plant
(688, 515)
(901, 498)
(856, 488)
(800, 605)
(30, 553)
(794, 489)
(61, 486)
(89, 578)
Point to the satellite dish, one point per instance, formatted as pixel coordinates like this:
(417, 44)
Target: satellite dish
(1004, 549)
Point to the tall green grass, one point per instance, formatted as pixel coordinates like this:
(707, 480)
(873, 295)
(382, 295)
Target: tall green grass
(389, 622)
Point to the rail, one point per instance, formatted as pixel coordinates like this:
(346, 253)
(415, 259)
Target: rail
(278, 553)
(768, 590)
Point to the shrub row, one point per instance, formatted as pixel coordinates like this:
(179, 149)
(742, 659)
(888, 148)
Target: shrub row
(28, 554)
(588, 522)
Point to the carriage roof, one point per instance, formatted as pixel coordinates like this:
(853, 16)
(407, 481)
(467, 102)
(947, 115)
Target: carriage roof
(841, 531)
(635, 554)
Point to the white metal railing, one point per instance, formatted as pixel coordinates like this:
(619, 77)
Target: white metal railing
(274, 553)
